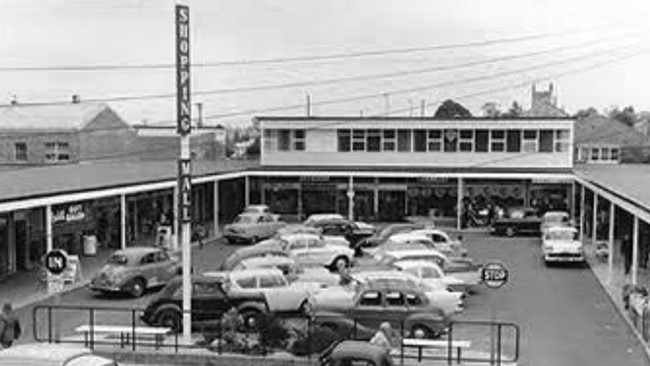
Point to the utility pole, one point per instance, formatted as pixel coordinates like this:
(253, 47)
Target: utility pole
(199, 109)
(422, 108)
(184, 128)
(308, 105)
(410, 107)
(387, 100)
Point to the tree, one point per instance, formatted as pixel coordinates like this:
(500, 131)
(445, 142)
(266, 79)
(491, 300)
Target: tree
(584, 113)
(451, 109)
(253, 149)
(515, 110)
(491, 109)
(626, 115)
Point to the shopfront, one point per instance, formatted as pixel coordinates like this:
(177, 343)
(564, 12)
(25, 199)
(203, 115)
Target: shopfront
(147, 212)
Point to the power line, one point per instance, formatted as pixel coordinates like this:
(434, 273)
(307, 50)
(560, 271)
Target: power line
(333, 56)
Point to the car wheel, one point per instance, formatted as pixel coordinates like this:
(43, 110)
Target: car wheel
(251, 320)
(510, 231)
(137, 287)
(340, 263)
(170, 319)
(422, 332)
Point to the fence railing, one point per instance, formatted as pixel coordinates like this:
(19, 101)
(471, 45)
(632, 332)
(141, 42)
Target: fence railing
(491, 342)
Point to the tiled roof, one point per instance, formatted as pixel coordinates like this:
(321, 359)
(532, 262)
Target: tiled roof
(73, 116)
(601, 129)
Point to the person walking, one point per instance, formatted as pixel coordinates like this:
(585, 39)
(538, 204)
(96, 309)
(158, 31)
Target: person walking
(10, 329)
(384, 337)
(626, 251)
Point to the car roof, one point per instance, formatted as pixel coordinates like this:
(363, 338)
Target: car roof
(415, 263)
(255, 272)
(256, 207)
(407, 252)
(556, 213)
(251, 214)
(429, 230)
(300, 236)
(323, 215)
(136, 251)
(409, 236)
(268, 260)
(42, 351)
(358, 349)
(562, 228)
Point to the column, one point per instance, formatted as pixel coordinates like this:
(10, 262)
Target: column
(635, 249)
(263, 191)
(122, 221)
(610, 241)
(573, 200)
(49, 243)
(376, 203)
(247, 190)
(459, 204)
(217, 231)
(582, 212)
(594, 220)
(351, 198)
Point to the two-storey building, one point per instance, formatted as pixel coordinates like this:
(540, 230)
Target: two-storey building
(379, 168)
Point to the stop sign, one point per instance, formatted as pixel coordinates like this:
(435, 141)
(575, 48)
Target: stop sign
(494, 275)
(56, 261)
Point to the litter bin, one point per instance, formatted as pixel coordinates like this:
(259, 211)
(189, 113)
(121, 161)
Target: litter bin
(90, 245)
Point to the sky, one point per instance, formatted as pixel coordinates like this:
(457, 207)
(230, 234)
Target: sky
(595, 52)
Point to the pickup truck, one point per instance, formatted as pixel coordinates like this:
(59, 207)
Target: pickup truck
(520, 220)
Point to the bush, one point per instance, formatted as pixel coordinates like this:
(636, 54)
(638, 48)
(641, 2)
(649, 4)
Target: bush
(321, 338)
(273, 333)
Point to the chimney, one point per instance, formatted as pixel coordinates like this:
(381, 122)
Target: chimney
(14, 100)
(76, 99)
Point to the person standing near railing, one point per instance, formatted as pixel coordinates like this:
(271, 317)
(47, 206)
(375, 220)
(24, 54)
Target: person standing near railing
(10, 329)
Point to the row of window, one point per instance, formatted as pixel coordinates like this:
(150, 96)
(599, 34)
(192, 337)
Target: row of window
(432, 140)
(453, 140)
(54, 151)
(604, 154)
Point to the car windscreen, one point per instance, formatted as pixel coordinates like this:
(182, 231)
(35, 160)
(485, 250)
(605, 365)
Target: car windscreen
(564, 235)
(244, 219)
(118, 259)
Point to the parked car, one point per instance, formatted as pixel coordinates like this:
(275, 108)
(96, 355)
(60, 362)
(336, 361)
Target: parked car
(431, 274)
(371, 304)
(50, 354)
(265, 248)
(292, 270)
(322, 216)
(281, 294)
(134, 270)
(382, 236)
(353, 232)
(309, 249)
(443, 242)
(562, 244)
(250, 227)
(210, 300)
(356, 353)
(517, 221)
(263, 209)
(555, 218)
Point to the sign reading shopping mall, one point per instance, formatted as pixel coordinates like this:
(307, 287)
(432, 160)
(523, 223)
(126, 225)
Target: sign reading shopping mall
(183, 103)
(185, 201)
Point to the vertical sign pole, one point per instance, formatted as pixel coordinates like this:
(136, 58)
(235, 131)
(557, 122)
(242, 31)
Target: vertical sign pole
(184, 127)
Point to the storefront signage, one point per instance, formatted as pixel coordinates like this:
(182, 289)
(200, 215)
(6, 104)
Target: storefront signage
(314, 178)
(433, 179)
(551, 180)
(185, 190)
(69, 213)
(183, 103)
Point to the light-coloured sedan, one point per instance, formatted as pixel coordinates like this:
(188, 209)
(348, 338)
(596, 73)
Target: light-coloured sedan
(250, 227)
(431, 274)
(310, 249)
(562, 244)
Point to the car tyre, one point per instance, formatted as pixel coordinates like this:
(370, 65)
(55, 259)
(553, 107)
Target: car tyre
(251, 319)
(171, 319)
(339, 263)
(423, 332)
(510, 231)
(137, 287)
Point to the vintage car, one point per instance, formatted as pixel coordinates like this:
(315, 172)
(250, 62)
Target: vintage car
(356, 353)
(450, 302)
(309, 250)
(282, 295)
(353, 232)
(210, 300)
(562, 244)
(250, 227)
(443, 242)
(431, 274)
(518, 220)
(382, 236)
(292, 270)
(134, 270)
(322, 216)
(555, 218)
(370, 304)
(392, 255)
(265, 248)
(44, 354)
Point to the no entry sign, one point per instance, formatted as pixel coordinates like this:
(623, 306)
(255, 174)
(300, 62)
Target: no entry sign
(494, 275)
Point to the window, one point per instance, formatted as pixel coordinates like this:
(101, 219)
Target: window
(300, 244)
(345, 140)
(437, 238)
(513, 140)
(247, 282)
(413, 300)
(404, 140)
(57, 151)
(435, 140)
(546, 141)
(394, 299)
(604, 153)
(451, 140)
(390, 140)
(498, 141)
(270, 140)
(482, 141)
(420, 140)
(529, 143)
(595, 154)
(206, 288)
(430, 272)
(161, 257)
(613, 154)
(284, 140)
(374, 140)
(562, 140)
(299, 140)
(466, 141)
(148, 259)
(20, 151)
(372, 298)
(272, 282)
(358, 140)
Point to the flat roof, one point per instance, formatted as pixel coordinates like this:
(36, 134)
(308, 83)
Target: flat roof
(627, 181)
(409, 169)
(403, 118)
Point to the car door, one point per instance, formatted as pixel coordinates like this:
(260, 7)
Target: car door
(319, 252)
(279, 294)
(209, 301)
(149, 268)
(369, 309)
(167, 267)
(395, 309)
(531, 222)
(299, 251)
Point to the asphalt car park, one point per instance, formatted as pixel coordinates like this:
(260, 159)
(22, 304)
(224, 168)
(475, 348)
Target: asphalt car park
(561, 311)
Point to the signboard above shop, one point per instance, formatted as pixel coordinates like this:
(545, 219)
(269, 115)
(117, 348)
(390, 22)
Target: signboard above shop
(69, 213)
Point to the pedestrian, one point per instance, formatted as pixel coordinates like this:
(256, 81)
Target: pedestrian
(10, 329)
(384, 336)
(199, 234)
(626, 251)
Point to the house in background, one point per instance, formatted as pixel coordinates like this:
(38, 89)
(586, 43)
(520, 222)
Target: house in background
(160, 142)
(60, 134)
(602, 140)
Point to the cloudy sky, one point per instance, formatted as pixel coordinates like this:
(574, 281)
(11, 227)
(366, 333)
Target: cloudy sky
(595, 51)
